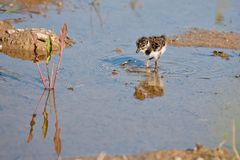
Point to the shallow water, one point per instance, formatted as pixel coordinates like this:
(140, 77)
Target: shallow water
(200, 93)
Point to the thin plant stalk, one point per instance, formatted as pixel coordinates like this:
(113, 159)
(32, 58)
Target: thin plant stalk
(34, 36)
(234, 146)
(45, 117)
(49, 84)
(57, 70)
(50, 103)
(51, 76)
(41, 76)
(57, 135)
(39, 101)
(62, 37)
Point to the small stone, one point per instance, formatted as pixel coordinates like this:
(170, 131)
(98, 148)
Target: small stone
(70, 88)
(118, 50)
(114, 72)
(177, 158)
(11, 31)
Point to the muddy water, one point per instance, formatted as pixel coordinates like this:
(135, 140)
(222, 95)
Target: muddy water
(191, 99)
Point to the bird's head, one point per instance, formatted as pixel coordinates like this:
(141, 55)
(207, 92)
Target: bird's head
(142, 44)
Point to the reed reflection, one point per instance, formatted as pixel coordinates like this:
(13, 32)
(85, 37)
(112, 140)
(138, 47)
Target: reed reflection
(96, 6)
(151, 87)
(39, 7)
(222, 6)
(51, 102)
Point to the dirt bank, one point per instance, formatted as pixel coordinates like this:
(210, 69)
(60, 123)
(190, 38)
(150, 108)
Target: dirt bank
(206, 38)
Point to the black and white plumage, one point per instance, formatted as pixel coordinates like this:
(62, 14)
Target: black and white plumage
(153, 47)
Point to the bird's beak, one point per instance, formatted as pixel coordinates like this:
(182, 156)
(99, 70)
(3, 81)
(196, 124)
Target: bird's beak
(137, 51)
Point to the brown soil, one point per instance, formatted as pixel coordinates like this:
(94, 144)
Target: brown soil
(206, 38)
(198, 153)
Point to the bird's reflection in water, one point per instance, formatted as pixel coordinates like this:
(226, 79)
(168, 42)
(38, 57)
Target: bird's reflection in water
(51, 102)
(151, 87)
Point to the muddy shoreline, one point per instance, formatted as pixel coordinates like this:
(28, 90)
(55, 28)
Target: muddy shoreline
(198, 153)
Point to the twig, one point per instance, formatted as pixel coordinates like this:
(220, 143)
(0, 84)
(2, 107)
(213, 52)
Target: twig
(47, 98)
(57, 70)
(50, 102)
(41, 76)
(234, 146)
(45, 117)
(51, 76)
(49, 83)
(32, 122)
(36, 59)
(39, 101)
(62, 37)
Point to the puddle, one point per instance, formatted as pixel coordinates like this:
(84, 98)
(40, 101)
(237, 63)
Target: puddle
(191, 99)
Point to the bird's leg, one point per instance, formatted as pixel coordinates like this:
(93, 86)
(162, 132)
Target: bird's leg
(147, 63)
(156, 64)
